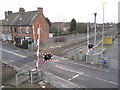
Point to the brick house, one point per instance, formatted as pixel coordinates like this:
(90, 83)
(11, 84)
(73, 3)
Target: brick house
(18, 26)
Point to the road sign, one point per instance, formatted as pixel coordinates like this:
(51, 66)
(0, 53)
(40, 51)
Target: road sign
(107, 40)
(47, 57)
(105, 61)
(90, 45)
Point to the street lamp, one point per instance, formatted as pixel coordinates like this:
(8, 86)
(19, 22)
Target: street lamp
(95, 33)
(103, 3)
(58, 29)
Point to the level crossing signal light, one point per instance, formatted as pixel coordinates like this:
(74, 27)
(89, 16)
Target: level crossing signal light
(47, 57)
(90, 46)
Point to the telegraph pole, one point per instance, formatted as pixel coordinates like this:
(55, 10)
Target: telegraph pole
(95, 34)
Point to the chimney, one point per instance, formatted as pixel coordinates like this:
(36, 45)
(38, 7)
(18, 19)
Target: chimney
(21, 10)
(40, 10)
(7, 13)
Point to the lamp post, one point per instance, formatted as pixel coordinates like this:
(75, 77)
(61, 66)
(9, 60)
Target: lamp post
(95, 34)
(58, 29)
(103, 3)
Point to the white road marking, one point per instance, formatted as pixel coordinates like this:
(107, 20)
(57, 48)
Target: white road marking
(12, 60)
(72, 83)
(82, 73)
(60, 67)
(55, 60)
(69, 79)
(87, 66)
(13, 53)
(25, 64)
(15, 50)
(4, 62)
(16, 67)
(52, 61)
(101, 79)
(75, 76)
(7, 61)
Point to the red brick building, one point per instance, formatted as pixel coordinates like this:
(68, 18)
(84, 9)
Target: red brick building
(18, 26)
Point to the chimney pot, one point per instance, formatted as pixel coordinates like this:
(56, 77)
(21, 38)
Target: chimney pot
(21, 10)
(7, 13)
(40, 10)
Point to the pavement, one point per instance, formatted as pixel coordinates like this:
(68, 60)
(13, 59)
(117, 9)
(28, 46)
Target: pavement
(81, 74)
(112, 54)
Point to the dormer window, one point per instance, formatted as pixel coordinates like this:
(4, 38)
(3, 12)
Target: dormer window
(20, 19)
(6, 19)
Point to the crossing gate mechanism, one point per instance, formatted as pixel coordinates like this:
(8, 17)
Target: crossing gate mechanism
(47, 57)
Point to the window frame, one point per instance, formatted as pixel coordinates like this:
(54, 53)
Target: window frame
(10, 29)
(27, 29)
(15, 29)
(6, 28)
(2, 28)
(20, 29)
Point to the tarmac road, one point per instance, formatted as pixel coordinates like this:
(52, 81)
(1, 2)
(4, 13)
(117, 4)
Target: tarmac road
(81, 74)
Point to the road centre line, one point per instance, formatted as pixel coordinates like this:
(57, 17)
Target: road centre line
(13, 53)
(86, 66)
(101, 79)
(82, 73)
(73, 77)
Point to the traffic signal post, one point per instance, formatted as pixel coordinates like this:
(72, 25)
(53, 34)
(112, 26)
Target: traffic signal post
(89, 46)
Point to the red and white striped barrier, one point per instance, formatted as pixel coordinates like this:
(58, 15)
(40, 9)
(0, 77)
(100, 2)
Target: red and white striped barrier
(38, 36)
(44, 57)
(34, 35)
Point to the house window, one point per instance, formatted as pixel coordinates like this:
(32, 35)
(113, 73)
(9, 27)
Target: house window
(27, 29)
(6, 28)
(20, 29)
(9, 28)
(2, 28)
(15, 29)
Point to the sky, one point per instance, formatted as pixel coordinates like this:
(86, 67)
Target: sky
(66, 10)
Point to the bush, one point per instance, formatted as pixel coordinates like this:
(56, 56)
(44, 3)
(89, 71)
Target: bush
(18, 45)
(25, 44)
(61, 39)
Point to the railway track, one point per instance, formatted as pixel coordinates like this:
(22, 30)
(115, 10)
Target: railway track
(62, 50)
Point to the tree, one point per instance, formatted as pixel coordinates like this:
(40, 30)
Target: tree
(73, 25)
(48, 22)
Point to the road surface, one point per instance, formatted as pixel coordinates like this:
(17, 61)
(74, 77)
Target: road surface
(82, 74)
